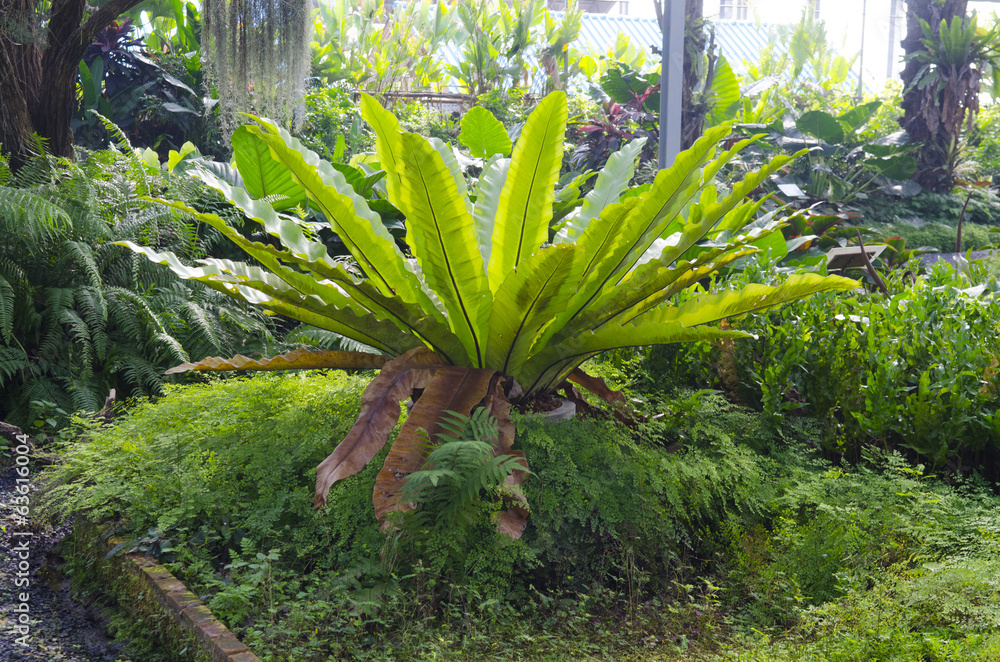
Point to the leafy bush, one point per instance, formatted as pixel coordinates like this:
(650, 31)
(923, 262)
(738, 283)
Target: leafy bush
(915, 370)
(896, 566)
(930, 219)
(80, 316)
(333, 125)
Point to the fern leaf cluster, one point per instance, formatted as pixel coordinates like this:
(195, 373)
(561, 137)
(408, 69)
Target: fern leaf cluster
(459, 473)
(79, 315)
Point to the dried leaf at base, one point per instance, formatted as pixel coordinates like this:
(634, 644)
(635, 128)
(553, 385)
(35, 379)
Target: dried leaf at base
(299, 359)
(379, 414)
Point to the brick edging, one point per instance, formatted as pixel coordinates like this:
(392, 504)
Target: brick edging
(187, 610)
(184, 608)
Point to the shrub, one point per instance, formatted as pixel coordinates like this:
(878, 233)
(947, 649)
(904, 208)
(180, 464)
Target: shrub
(915, 370)
(80, 316)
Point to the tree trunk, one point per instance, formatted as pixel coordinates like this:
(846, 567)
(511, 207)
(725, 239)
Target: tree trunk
(692, 110)
(25, 72)
(20, 77)
(922, 118)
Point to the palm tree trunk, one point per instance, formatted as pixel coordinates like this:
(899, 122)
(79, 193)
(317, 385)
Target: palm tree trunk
(693, 110)
(923, 118)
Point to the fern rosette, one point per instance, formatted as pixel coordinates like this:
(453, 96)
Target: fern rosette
(490, 301)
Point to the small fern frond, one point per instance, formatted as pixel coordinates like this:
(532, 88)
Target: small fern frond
(26, 213)
(6, 310)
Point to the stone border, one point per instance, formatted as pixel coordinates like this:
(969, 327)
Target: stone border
(190, 616)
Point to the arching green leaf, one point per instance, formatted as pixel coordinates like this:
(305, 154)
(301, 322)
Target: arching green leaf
(525, 208)
(484, 212)
(528, 300)
(263, 177)
(611, 181)
(443, 239)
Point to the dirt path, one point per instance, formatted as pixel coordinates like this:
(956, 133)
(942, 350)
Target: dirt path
(60, 629)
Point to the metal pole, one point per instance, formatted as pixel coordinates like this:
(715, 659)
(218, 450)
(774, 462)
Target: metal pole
(861, 64)
(893, 11)
(671, 73)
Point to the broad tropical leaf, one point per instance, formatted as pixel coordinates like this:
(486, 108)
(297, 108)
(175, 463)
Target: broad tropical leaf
(611, 181)
(525, 204)
(484, 213)
(442, 237)
(528, 300)
(263, 177)
(484, 134)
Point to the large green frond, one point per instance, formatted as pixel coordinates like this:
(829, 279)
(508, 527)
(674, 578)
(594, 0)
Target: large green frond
(525, 205)
(484, 213)
(263, 176)
(611, 181)
(529, 299)
(442, 237)
(361, 229)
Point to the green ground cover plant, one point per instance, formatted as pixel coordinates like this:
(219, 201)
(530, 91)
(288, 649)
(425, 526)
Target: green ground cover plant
(640, 548)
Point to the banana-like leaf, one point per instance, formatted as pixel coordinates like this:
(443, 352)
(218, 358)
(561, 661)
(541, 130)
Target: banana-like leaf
(525, 205)
(611, 181)
(263, 177)
(624, 231)
(299, 359)
(443, 239)
(452, 388)
(361, 295)
(528, 300)
(379, 415)
(677, 267)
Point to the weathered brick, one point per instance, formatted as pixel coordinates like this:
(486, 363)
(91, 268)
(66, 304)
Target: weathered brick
(225, 646)
(194, 614)
(245, 656)
(208, 631)
(154, 572)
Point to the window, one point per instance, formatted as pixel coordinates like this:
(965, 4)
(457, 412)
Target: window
(734, 10)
